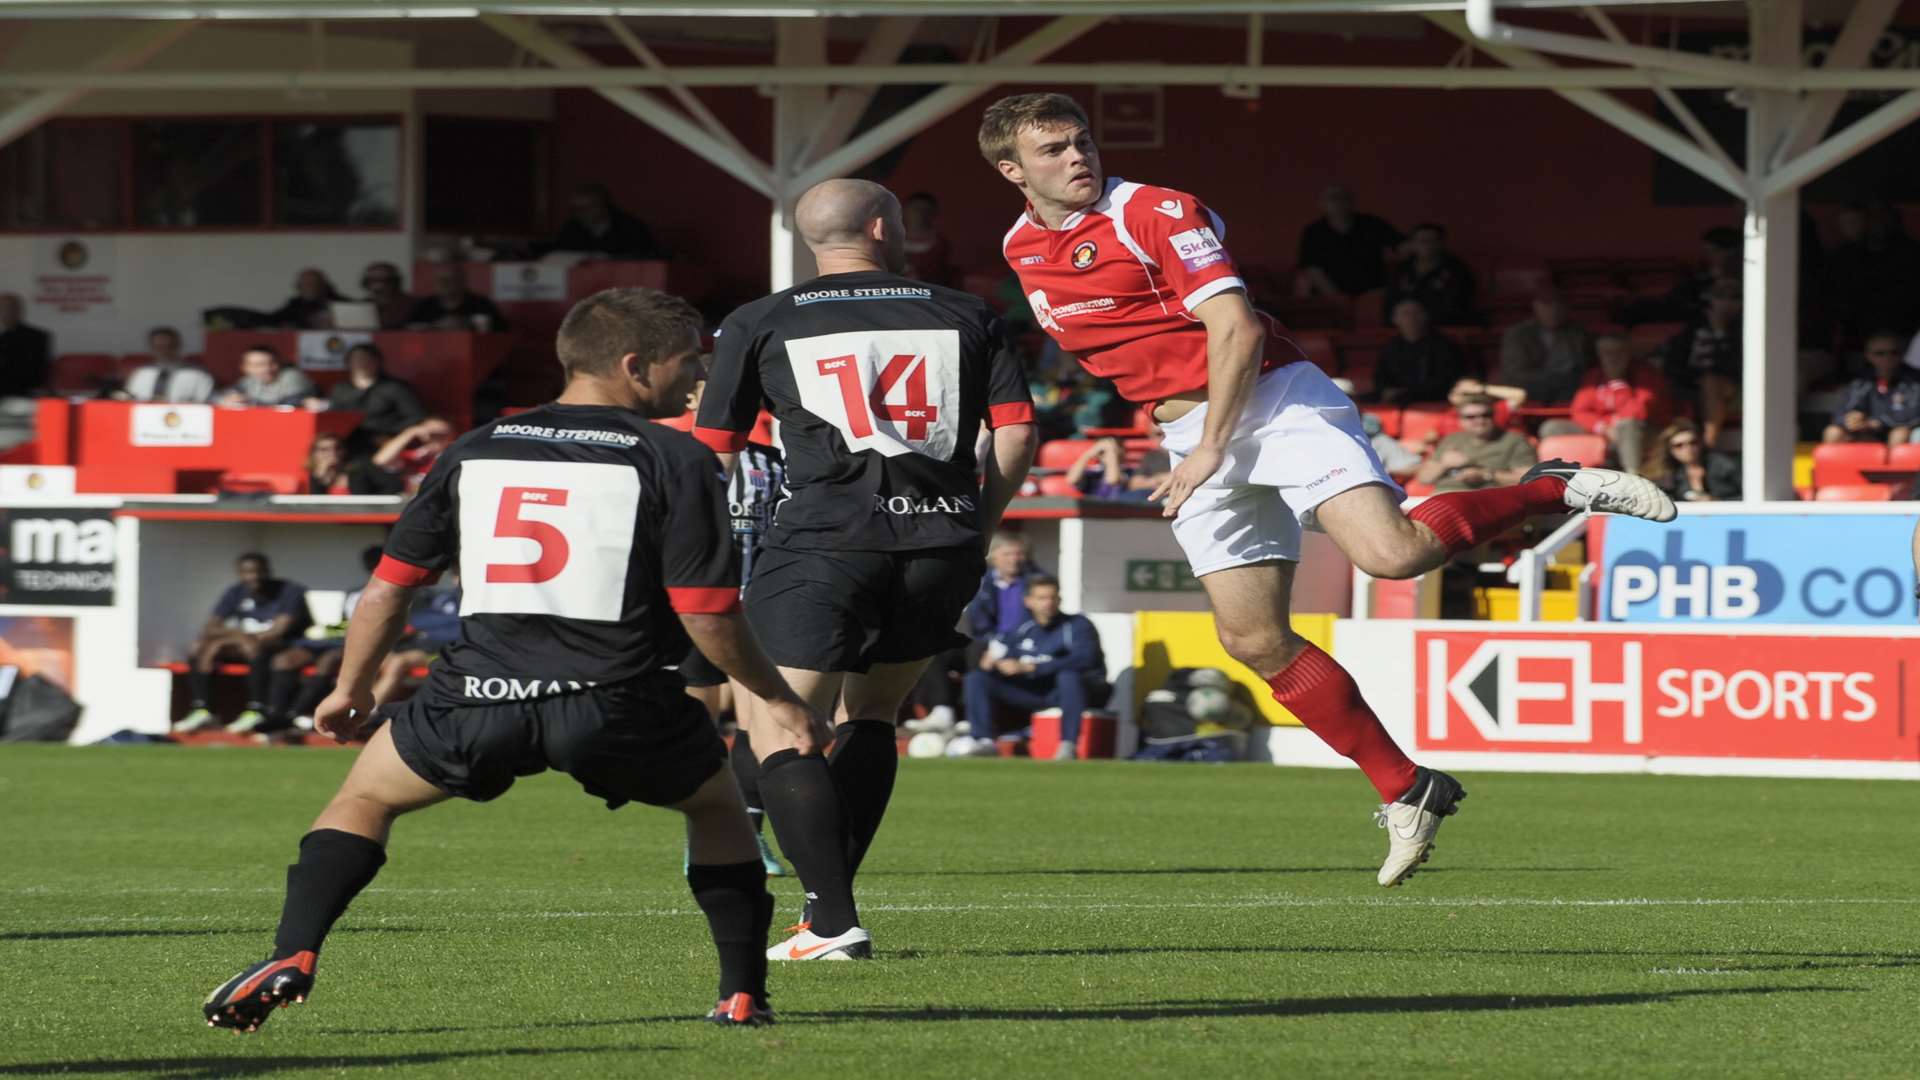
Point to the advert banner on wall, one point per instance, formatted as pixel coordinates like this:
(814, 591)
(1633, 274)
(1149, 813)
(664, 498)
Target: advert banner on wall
(1666, 695)
(63, 557)
(1811, 569)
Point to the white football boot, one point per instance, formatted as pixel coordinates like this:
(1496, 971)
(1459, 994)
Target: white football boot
(855, 944)
(1607, 491)
(1412, 820)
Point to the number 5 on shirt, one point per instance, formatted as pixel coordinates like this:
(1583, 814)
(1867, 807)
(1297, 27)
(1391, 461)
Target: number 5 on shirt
(546, 537)
(892, 391)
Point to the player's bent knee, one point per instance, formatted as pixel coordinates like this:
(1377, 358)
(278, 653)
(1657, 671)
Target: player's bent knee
(1267, 650)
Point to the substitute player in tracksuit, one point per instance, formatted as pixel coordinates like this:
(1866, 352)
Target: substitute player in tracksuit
(1136, 282)
(592, 544)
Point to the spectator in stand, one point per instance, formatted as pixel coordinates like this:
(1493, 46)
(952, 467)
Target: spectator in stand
(433, 623)
(1873, 271)
(327, 470)
(1344, 253)
(1883, 406)
(311, 307)
(1401, 462)
(406, 458)
(386, 292)
(453, 307)
(1686, 469)
(1418, 365)
(1703, 361)
(599, 227)
(266, 380)
(387, 405)
(171, 376)
(929, 256)
(292, 697)
(1546, 355)
(1435, 277)
(1479, 455)
(999, 606)
(26, 352)
(1621, 400)
(254, 619)
(1050, 660)
(1720, 259)
(1100, 472)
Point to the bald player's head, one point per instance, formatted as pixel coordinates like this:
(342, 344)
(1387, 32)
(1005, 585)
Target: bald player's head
(852, 221)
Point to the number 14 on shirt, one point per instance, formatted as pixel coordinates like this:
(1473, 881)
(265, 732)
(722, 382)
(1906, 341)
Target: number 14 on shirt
(895, 392)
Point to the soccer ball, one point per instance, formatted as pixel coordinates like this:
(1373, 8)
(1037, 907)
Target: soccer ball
(1209, 704)
(927, 744)
(960, 746)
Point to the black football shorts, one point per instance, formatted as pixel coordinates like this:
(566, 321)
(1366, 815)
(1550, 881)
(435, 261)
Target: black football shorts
(850, 610)
(699, 671)
(639, 741)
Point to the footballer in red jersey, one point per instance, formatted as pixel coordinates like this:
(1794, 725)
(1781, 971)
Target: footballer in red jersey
(1136, 282)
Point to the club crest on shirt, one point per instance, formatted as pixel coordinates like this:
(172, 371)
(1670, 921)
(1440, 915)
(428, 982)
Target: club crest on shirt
(1083, 255)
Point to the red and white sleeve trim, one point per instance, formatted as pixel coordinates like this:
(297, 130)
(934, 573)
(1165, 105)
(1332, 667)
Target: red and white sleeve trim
(404, 574)
(1210, 290)
(720, 440)
(1009, 413)
(703, 601)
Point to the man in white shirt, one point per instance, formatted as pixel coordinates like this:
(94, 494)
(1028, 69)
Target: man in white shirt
(171, 377)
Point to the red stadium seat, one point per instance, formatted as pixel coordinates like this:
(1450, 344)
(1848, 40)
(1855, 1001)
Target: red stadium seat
(1060, 454)
(1057, 487)
(1585, 449)
(1855, 493)
(271, 483)
(1417, 420)
(1389, 418)
(1904, 458)
(1132, 450)
(85, 373)
(1519, 277)
(1846, 463)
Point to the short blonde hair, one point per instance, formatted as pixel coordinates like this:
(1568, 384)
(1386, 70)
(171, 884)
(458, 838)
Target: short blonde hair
(1001, 124)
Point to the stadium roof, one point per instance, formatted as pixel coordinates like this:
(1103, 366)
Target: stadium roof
(361, 9)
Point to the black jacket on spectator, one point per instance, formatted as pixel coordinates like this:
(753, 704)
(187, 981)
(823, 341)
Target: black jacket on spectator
(388, 407)
(1355, 260)
(1423, 370)
(26, 359)
(1723, 480)
(1698, 351)
(432, 309)
(627, 237)
(1446, 290)
(303, 314)
(1894, 403)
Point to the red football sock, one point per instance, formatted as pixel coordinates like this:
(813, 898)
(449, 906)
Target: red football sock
(1321, 693)
(1463, 520)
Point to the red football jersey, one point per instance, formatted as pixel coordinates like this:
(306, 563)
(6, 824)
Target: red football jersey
(1117, 283)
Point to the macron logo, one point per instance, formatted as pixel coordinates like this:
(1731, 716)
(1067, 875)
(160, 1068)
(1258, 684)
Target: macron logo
(1171, 208)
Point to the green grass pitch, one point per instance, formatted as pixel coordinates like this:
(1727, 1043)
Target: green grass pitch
(1097, 920)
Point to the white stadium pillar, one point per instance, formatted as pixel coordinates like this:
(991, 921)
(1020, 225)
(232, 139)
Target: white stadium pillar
(797, 111)
(1771, 323)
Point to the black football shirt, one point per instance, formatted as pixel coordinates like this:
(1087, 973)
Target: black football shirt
(878, 385)
(581, 533)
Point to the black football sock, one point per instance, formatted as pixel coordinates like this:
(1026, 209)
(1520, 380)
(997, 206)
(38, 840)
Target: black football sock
(313, 691)
(200, 685)
(864, 760)
(739, 910)
(282, 687)
(259, 676)
(334, 866)
(746, 773)
(805, 808)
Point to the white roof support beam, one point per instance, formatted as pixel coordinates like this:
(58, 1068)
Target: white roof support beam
(643, 107)
(694, 106)
(1868, 20)
(844, 109)
(1701, 136)
(1610, 109)
(1486, 26)
(129, 49)
(941, 103)
(1858, 137)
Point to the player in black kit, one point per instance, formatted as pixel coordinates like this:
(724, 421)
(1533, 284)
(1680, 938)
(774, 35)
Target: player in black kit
(879, 386)
(592, 545)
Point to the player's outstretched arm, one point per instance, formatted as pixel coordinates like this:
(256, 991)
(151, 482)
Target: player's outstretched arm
(379, 619)
(1009, 456)
(1234, 340)
(727, 641)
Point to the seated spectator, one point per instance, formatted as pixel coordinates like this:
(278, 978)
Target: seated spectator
(311, 307)
(1703, 361)
(1873, 270)
(1401, 463)
(1505, 398)
(929, 256)
(1622, 400)
(171, 376)
(1343, 253)
(598, 227)
(433, 623)
(387, 405)
(453, 307)
(1546, 355)
(1051, 660)
(327, 470)
(26, 352)
(1100, 472)
(1720, 250)
(406, 458)
(1418, 365)
(1687, 470)
(1479, 455)
(386, 293)
(254, 619)
(266, 380)
(292, 697)
(1884, 406)
(1000, 605)
(1435, 277)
